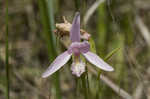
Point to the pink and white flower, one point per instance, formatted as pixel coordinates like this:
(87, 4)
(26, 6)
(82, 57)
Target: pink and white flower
(76, 49)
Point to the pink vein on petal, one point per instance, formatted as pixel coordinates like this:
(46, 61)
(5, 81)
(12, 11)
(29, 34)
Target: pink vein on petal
(97, 61)
(75, 29)
(57, 64)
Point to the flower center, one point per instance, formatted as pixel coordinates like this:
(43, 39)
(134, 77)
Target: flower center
(79, 47)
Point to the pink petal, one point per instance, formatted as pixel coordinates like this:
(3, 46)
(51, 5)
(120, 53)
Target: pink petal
(75, 29)
(84, 47)
(97, 61)
(57, 64)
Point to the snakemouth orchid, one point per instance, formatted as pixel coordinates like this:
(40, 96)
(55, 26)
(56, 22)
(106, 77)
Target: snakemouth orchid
(76, 49)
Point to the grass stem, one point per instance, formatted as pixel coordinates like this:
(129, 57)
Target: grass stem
(47, 17)
(7, 54)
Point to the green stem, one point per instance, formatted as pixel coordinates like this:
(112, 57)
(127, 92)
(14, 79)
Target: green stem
(77, 4)
(102, 30)
(52, 27)
(85, 85)
(51, 20)
(46, 29)
(7, 54)
(47, 17)
(101, 41)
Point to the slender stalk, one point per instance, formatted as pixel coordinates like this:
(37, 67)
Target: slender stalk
(85, 85)
(77, 4)
(51, 20)
(7, 54)
(47, 16)
(52, 27)
(46, 29)
(101, 41)
(102, 29)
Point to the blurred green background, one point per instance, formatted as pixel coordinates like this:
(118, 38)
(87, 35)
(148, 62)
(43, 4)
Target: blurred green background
(123, 24)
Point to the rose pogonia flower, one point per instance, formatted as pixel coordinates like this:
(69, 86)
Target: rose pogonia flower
(76, 49)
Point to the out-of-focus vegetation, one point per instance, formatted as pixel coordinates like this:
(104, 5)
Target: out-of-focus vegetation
(115, 24)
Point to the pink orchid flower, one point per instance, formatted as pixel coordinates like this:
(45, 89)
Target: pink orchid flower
(76, 49)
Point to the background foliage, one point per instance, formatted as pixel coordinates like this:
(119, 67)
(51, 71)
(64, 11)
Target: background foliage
(122, 24)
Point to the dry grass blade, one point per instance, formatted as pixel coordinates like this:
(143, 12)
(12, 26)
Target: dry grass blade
(91, 11)
(138, 92)
(144, 30)
(116, 88)
(121, 92)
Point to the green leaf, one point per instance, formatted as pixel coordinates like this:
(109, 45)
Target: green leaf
(108, 57)
(111, 54)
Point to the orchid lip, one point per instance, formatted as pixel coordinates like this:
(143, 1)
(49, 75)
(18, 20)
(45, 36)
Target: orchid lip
(78, 68)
